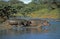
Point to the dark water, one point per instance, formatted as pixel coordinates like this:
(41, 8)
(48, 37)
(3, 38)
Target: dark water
(52, 33)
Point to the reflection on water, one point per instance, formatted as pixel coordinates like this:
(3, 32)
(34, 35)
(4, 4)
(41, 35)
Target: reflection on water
(33, 33)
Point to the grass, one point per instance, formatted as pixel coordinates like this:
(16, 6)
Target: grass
(43, 13)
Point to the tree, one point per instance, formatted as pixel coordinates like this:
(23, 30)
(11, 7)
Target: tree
(7, 11)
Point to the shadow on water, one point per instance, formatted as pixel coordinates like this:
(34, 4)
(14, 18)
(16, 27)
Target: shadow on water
(33, 33)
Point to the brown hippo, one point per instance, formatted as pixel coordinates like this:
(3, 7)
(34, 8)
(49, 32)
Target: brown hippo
(26, 23)
(35, 22)
(43, 24)
(39, 22)
(17, 22)
(13, 22)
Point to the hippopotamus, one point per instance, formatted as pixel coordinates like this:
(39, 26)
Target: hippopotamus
(16, 22)
(13, 22)
(43, 24)
(26, 23)
(34, 22)
(39, 22)
(21, 22)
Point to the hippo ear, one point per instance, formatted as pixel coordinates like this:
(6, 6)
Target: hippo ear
(30, 22)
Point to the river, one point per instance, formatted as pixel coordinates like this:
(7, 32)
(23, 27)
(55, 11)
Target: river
(53, 33)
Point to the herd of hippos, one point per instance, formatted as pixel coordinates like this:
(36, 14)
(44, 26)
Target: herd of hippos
(31, 22)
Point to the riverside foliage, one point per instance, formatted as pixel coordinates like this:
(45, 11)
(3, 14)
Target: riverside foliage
(36, 8)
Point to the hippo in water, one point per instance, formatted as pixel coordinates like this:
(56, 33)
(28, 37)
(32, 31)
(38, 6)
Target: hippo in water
(31, 22)
(43, 24)
(39, 22)
(26, 23)
(34, 22)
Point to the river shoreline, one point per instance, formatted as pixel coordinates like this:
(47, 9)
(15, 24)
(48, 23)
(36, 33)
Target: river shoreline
(6, 26)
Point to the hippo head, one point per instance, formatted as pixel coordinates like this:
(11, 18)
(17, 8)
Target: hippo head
(26, 23)
(46, 23)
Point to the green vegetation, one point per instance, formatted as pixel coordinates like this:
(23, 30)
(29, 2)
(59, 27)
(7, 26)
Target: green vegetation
(35, 9)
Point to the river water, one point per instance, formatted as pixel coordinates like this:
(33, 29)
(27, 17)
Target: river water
(52, 33)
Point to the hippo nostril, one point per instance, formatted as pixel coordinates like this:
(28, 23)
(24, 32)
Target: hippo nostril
(49, 24)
